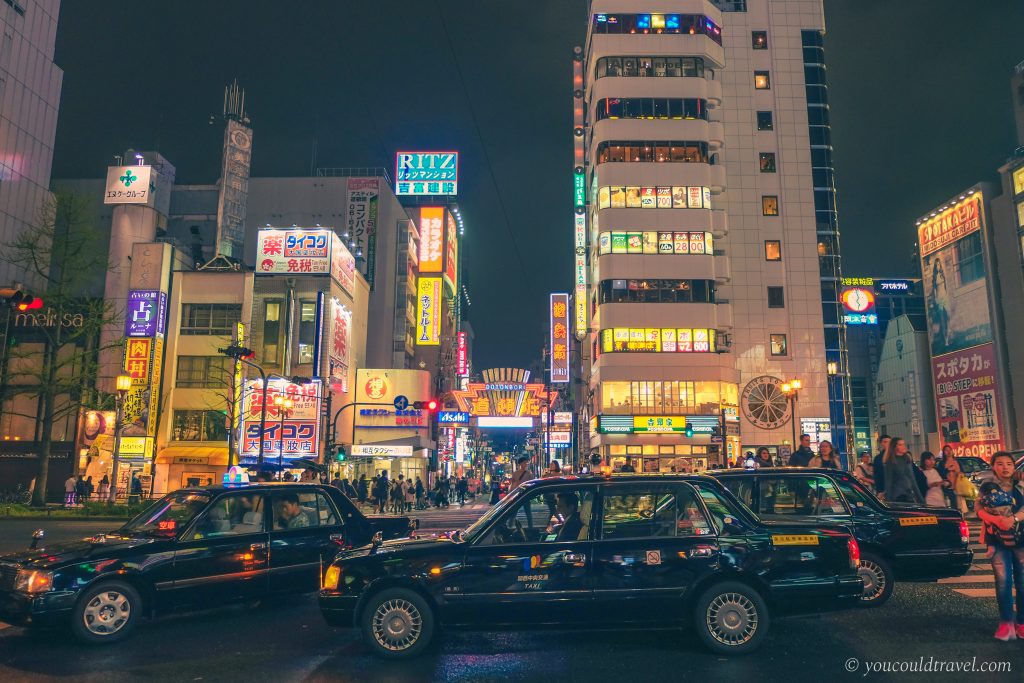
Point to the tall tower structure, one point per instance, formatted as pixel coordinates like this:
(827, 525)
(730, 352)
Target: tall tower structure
(709, 248)
(234, 175)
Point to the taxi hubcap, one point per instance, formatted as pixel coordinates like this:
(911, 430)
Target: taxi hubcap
(107, 613)
(397, 624)
(874, 580)
(732, 618)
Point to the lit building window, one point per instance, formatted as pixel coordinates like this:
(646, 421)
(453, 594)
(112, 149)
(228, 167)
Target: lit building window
(769, 205)
(759, 40)
(779, 347)
(767, 162)
(772, 250)
(762, 81)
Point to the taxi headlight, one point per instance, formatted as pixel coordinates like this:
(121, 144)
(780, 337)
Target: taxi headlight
(33, 581)
(332, 577)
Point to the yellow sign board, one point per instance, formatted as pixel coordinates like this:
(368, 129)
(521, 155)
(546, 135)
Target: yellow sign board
(428, 311)
(919, 521)
(794, 539)
(659, 424)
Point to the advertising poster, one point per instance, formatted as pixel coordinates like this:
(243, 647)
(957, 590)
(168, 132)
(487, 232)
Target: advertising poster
(361, 218)
(145, 314)
(967, 394)
(427, 173)
(818, 428)
(953, 270)
(428, 311)
(343, 264)
(305, 252)
(378, 420)
(431, 239)
(462, 355)
(297, 435)
(559, 329)
(341, 343)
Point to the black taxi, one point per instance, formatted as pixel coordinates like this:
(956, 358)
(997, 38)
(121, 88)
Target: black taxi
(898, 542)
(194, 548)
(641, 551)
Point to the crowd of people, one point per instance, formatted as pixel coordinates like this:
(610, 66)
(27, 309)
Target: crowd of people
(401, 495)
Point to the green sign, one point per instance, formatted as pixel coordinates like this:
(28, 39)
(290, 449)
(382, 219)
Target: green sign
(580, 190)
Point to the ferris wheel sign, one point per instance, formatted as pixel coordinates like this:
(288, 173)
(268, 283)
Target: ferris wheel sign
(764, 405)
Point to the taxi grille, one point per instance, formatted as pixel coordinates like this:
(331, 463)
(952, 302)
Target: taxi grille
(8, 575)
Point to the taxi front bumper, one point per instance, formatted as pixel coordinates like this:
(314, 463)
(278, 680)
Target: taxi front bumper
(42, 609)
(338, 609)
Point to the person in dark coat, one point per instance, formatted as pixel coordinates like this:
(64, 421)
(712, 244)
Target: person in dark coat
(802, 456)
(878, 466)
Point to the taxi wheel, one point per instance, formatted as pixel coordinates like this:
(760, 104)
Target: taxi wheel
(106, 613)
(731, 618)
(397, 623)
(878, 580)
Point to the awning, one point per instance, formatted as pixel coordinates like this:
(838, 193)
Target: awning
(214, 456)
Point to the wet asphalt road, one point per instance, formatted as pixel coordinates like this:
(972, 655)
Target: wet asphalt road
(288, 641)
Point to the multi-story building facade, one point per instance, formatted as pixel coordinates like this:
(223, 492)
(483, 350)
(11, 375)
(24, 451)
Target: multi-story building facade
(29, 98)
(713, 241)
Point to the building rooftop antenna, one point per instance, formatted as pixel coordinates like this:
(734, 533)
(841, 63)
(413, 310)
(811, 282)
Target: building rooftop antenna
(234, 103)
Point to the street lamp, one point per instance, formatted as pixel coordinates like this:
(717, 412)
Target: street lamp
(791, 390)
(124, 384)
(284, 407)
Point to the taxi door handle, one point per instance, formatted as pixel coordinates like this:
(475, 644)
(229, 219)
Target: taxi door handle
(257, 546)
(578, 559)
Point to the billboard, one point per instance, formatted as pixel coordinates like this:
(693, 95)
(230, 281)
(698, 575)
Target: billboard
(954, 277)
(378, 420)
(340, 348)
(818, 428)
(432, 253)
(293, 434)
(858, 304)
(967, 396)
(305, 252)
(559, 331)
(146, 313)
(451, 255)
(426, 173)
(504, 422)
(129, 185)
(428, 311)
(361, 219)
(581, 276)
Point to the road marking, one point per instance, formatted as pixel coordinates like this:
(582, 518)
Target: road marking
(970, 578)
(977, 592)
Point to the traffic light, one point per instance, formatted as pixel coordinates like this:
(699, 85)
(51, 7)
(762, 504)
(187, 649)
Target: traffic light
(30, 303)
(16, 297)
(689, 432)
(238, 352)
(425, 405)
(339, 454)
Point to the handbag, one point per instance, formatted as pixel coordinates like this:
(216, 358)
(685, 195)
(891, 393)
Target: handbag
(965, 488)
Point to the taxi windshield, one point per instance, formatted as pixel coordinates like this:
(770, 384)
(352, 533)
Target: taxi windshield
(168, 515)
(473, 529)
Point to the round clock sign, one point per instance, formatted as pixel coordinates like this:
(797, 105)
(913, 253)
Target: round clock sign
(764, 404)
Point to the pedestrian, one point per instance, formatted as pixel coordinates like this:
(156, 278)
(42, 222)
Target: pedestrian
(381, 491)
(900, 480)
(877, 465)
(826, 457)
(89, 488)
(865, 471)
(362, 488)
(934, 495)
(495, 491)
(1002, 534)
(336, 482)
(104, 488)
(627, 467)
(79, 490)
(763, 458)
(419, 494)
(410, 496)
(521, 474)
(554, 470)
(136, 485)
(956, 480)
(802, 456)
(462, 487)
(70, 486)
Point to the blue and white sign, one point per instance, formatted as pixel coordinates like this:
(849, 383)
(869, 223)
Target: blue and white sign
(427, 173)
(401, 402)
(451, 417)
(145, 314)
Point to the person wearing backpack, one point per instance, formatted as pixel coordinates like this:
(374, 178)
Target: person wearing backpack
(1000, 506)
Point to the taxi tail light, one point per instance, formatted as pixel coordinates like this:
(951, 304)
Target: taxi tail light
(853, 550)
(965, 532)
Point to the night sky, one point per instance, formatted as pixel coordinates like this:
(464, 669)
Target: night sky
(919, 94)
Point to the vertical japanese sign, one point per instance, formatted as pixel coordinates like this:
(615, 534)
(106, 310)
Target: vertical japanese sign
(426, 173)
(431, 239)
(341, 343)
(964, 368)
(288, 435)
(146, 313)
(559, 365)
(234, 189)
(462, 355)
(451, 254)
(581, 276)
(428, 311)
(361, 221)
(343, 265)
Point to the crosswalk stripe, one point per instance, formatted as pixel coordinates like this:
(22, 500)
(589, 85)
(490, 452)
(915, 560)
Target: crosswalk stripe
(969, 578)
(977, 592)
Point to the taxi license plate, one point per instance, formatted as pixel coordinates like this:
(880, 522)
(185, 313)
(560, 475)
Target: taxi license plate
(919, 521)
(794, 539)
